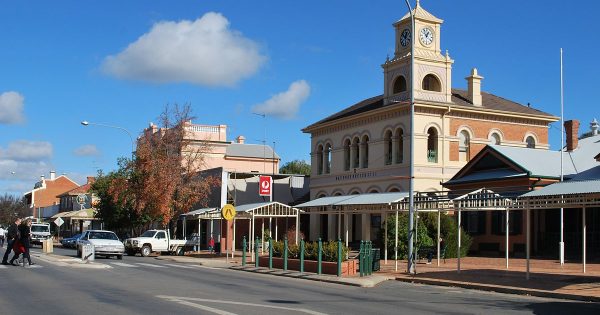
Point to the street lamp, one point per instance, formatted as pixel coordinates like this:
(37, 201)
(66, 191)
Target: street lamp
(87, 123)
(411, 200)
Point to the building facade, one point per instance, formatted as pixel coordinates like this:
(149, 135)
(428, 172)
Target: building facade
(44, 194)
(365, 147)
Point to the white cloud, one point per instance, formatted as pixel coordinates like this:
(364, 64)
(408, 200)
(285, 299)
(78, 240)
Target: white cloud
(285, 104)
(11, 108)
(87, 150)
(204, 52)
(24, 150)
(28, 171)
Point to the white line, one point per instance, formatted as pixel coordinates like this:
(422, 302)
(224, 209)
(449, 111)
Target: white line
(124, 265)
(179, 298)
(2, 267)
(203, 307)
(33, 266)
(151, 265)
(180, 266)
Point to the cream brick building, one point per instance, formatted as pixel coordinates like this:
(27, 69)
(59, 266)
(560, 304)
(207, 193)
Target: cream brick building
(365, 147)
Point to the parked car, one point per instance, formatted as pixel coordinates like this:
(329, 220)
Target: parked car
(106, 243)
(70, 242)
(39, 233)
(158, 241)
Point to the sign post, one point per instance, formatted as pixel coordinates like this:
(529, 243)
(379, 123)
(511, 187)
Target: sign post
(81, 200)
(228, 212)
(265, 186)
(59, 221)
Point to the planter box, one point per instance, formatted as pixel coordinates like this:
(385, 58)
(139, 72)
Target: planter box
(327, 267)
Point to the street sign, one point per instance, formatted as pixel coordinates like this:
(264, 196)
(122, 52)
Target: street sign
(228, 212)
(264, 185)
(59, 221)
(81, 199)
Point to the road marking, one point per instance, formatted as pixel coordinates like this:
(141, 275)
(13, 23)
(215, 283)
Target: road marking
(180, 266)
(33, 266)
(2, 267)
(151, 265)
(205, 267)
(203, 307)
(124, 265)
(184, 300)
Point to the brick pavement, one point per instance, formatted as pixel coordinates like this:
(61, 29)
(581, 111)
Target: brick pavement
(547, 277)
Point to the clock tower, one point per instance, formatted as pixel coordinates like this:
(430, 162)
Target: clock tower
(433, 71)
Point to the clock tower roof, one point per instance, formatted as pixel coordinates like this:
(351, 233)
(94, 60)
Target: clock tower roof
(421, 14)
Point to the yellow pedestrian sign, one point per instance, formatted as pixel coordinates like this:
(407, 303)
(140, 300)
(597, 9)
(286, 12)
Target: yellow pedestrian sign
(228, 212)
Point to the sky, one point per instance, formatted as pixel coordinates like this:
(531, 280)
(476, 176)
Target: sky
(121, 62)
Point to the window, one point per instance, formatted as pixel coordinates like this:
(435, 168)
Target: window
(399, 145)
(463, 146)
(473, 222)
(355, 153)
(320, 160)
(495, 139)
(388, 147)
(160, 235)
(515, 222)
(432, 140)
(347, 155)
(327, 167)
(365, 152)
(431, 83)
(530, 142)
(399, 85)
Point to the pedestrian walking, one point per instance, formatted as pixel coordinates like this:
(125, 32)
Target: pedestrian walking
(2, 236)
(12, 236)
(24, 243)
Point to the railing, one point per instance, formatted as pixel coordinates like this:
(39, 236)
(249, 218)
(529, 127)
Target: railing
(203, 128)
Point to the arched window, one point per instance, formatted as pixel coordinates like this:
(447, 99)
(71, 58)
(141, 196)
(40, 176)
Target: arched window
(365, 151)
(432, 146)
(431, 83)
(399, 85)
(388, 147)
(347, 155)
(495, 139)
(355, 153)
(464, 141)
(399, 145)
(327, 153)
(320, 159)
(530, 142)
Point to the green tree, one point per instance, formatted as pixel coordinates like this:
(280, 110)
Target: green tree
(448, 233)
(295, 167)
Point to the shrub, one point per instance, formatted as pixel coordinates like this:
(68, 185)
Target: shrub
(330, 250)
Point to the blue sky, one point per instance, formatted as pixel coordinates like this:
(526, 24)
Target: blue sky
(121, 62)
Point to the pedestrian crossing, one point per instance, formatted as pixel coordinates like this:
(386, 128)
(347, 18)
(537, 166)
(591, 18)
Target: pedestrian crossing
(125, 265)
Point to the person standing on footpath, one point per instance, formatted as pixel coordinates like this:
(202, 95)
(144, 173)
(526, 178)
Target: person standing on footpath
(12, 235)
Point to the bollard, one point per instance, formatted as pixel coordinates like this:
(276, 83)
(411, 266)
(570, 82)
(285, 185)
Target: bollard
(256, 253)
(270, 254)
(361, 258)
(339, 258)
(301, 256)
(244, 251)
(319, 256)
(285, 254)
(369, 258)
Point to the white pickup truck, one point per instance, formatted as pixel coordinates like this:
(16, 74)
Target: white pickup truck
(158, 241)
(39, 233)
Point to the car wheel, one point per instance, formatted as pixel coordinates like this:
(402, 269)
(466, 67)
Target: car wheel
(120, 257)
(146, 251)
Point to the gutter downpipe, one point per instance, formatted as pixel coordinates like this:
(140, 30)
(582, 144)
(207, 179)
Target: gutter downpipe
(411, 256)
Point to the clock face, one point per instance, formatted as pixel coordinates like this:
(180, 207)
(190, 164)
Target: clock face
(426, 36)
(405, 37)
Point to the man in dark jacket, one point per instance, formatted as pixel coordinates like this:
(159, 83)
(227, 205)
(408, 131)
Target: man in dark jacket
(13, 236)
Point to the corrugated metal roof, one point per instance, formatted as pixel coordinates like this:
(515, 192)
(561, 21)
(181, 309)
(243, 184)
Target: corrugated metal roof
(362, 199)
(200, 211)
(538, 162)
(567, 188)
(252, 206)
(250, 150)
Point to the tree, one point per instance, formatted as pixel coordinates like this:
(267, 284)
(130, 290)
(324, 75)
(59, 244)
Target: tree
(162, 182)
(12, 207)
(295, 167)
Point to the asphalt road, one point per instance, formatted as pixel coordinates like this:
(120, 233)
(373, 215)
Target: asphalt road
(137, 285)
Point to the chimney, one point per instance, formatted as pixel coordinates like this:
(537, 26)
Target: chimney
(474, 87)
(91, 179)
(42, 178)
(594, 127)
(52, 175)
(572, 133)
(240, 139)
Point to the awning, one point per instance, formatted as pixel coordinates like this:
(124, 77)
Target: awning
(566, 188)
(85, 214)
(362, 199)
(204, 213)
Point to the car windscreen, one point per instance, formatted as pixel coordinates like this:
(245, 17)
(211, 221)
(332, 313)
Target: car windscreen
(149, 233)
(40, 228)
(103, 236)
